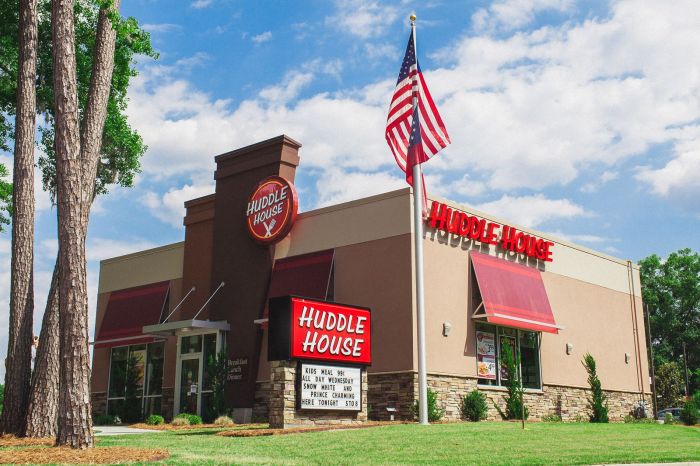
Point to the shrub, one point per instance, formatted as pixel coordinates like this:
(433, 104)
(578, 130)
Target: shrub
(669, 419)
(223, 421)
(551, 418)
(435, 413)
(580, 418)
(514, 400)
(598, 402)
(670, 385)
(192, 418)
(639, 410)
(180, 421)
(474, 406)
(103, 420)
(690, 413)
(155, 420)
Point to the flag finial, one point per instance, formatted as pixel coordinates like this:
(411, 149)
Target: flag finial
(412, 17)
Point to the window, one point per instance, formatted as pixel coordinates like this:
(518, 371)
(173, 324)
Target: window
(490, 340)
(148, 362)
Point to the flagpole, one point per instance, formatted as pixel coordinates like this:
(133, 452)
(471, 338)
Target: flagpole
(418, 246)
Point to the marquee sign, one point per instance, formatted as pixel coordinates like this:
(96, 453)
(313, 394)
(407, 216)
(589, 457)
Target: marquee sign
(271, 210)
(460, 223)
(330, 387)
(307, 329)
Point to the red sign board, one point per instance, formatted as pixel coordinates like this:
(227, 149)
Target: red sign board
(271, 210)
(320, 331)
(506, 237)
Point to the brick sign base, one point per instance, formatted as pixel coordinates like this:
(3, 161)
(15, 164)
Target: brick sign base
(283, 401)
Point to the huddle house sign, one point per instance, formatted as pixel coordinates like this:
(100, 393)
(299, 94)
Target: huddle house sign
(271, 210)
(331, 342)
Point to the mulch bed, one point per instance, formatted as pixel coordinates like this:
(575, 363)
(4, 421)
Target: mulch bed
(12, 441)
(66, 455)
(301, 430)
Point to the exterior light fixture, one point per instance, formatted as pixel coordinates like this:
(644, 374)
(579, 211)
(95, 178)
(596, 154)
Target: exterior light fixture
(446, 328)
(627, 358)
(569, 348)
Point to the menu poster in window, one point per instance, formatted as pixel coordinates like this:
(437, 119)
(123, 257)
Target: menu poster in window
(330, 387)
(486, 355)
(139, 358)
(511, 342)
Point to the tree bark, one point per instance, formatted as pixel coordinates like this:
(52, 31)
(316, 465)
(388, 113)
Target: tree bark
(74, 420)
(96, 110)
(43, 397)
(19, 354)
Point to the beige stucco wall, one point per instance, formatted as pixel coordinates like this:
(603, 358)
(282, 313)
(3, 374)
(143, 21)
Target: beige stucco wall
(590, 294)
(140, 268)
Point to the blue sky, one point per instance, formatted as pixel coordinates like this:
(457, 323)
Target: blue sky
(576, 118)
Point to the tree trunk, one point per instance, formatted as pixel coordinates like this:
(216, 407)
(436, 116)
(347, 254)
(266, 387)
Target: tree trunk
(96, 110)
(43, 397)
(19, 355)
(74, 421)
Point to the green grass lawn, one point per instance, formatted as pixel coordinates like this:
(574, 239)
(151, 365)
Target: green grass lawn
(460, 443)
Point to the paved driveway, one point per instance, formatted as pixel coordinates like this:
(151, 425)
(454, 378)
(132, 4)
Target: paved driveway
(122, 430)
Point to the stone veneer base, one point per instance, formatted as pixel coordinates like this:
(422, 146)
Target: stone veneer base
(282, 412)
(399, 390)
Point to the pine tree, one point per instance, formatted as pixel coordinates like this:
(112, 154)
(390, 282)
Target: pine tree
(598, 401)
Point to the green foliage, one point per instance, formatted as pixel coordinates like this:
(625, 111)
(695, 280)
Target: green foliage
(669, 419)
(598, 402)
(629, 419)
(155, 420)
(104, 420)
(580, 418)
(218, 369)
(131, 409)
(671, 289)
(122, 146)
(474, 406)
(193, 419)
(2, 397)
(5, 199)
(670, 385)
(514, 398)
(690, 413)
(551, 418)
(435, 412)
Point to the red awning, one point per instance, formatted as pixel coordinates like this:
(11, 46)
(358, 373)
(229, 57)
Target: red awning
(512, 294)
(128, 311)
(308, 276)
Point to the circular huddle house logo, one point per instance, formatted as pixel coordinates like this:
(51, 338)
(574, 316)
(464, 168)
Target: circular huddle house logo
(271, 210)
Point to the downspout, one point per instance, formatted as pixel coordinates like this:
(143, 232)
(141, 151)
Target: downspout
(635, 327)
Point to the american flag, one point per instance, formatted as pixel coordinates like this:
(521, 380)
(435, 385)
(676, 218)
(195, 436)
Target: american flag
(413, 135)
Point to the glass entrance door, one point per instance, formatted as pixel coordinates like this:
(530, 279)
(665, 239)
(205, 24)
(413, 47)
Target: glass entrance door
(189, 384)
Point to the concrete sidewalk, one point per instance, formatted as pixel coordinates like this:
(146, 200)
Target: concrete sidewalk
(122, 430)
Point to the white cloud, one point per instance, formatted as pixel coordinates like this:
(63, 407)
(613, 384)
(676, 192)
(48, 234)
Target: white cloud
(199, 4)
(529, 110)
(170, 207)
(375, 51)
(532, 211)
(160, 27)
(262, 37)
(363, 18)
(337, 186)
(511, 14)
(605, 177)
(679, 176)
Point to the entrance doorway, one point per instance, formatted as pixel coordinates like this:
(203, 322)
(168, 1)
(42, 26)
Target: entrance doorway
(192, 391)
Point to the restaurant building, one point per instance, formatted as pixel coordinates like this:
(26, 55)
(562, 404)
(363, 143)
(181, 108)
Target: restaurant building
(164, 312)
